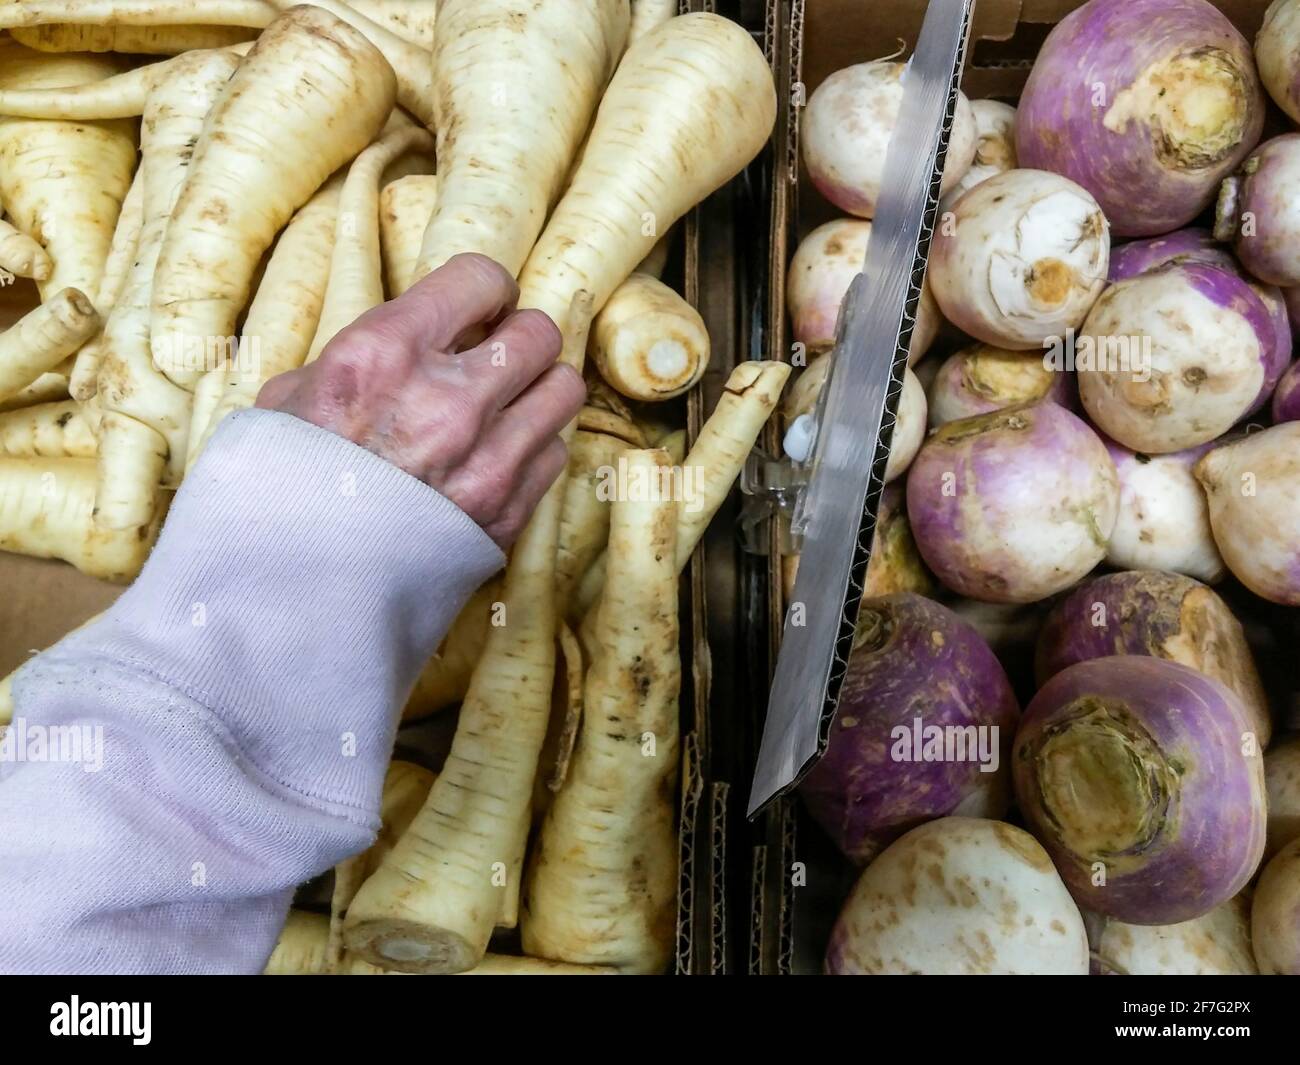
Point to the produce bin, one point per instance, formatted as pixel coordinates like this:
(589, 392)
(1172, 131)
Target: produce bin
(709, 264)
(798, 880)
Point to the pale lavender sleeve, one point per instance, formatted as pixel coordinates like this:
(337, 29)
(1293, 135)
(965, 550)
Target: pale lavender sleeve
(247, 688)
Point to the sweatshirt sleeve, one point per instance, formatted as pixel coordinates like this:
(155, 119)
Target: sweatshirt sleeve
(221, 735)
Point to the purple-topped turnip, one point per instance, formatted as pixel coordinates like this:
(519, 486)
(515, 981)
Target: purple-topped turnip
(1020, 258)
(1131, 772)
(981, 379)
(1277, 50)
(1014, 506)
(1148, 104)
(1253, 486)
(1164, 520)
(846, 129)
(1275, 914)
(1217, 944)
(1176, 356)
(824, 265)
(1194, 243)
(995, 147)
(960, 896)
(1259, 211)
(1163, 615)
(925, 719)
(1286, 397)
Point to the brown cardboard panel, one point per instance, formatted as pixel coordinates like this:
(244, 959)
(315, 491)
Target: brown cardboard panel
(41, 601)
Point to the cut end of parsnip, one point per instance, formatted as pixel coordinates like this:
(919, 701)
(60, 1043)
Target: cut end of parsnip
(648, 342)
(410, 947)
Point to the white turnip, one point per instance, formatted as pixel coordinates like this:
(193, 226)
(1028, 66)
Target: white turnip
(1277, 50)
(981, 379)
(1275, 914)
(995, 147)
(1216, 944)
(1021, 258)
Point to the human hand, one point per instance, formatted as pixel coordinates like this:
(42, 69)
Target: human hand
(480, 425)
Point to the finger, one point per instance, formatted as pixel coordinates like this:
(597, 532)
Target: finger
(469, 291)
(517, 354)
(535, 481)
(524, 427)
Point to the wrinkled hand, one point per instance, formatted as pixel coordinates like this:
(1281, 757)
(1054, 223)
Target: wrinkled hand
(480, 425)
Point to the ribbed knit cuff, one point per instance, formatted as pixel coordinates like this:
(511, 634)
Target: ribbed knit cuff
(297, 588)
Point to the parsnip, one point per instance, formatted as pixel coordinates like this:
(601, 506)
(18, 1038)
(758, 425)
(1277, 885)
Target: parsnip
(83, 382)
(409, 62)
(22, 256)
(46, 510)
(282, 318)
(584, 521)
(43, 338)
(356, 281)
(117, 96)
(445, 678)
(135, 40)
(326, 91)
(515, 83)
(648, 16)
(63, 183)
(410, 19)
(145, 430)
(51, 430)
(303, 950)
(648, 342)
(689, 105)
(144, 13)
(602, 881)
(404, 209)
(48, 388)
(406, 786)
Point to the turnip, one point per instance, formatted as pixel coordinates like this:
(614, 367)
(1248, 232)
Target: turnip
(823, 267)
(1164, 520)
(1282, 783)
(924, 724)
(1021, 259)
(1163, 615)
(1286, 397)
(649, 342)
(1139, 256)
(1275, 914)
(1216, 944)
(1253, 485)
(895, 564)
(960, 896)
(602, 879)
(404, 209)
(981, 379)
(1177, 356)
(1148, 104)
(995, 147)
(1277, 46)
(846, 129)
(1013, 506)
(515, 84)
(1257, 211)
(1133, 773)
(218, 232)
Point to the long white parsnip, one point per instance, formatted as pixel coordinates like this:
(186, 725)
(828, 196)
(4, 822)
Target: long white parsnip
(134, 40)
(648, 16)
(445, 677)
(325, 91)
(516, 83)
(688, 107)
(356, 282)
(602, 880)
(83, 381)
(404, 209)
(49, 430)
(282, 318)
(63, 183)
(22, 256)
(43, 338)
(145, 429)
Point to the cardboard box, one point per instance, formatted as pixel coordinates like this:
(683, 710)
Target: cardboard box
(797, 879)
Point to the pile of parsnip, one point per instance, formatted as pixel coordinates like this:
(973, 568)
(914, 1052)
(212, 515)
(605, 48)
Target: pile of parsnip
(200, 221)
